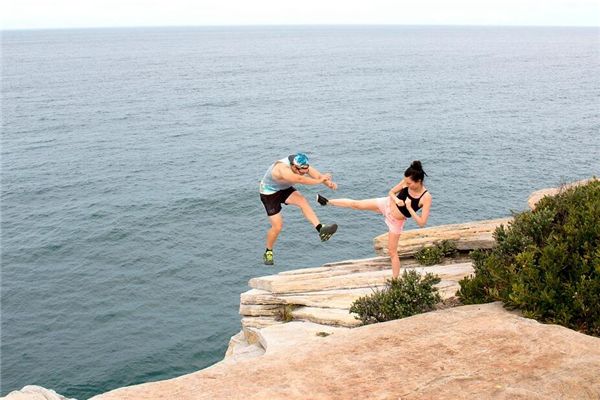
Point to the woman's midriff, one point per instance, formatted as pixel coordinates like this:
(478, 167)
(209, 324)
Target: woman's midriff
(386, 206)
(395, 212)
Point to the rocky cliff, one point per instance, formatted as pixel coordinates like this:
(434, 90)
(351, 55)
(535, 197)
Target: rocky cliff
(480, 351)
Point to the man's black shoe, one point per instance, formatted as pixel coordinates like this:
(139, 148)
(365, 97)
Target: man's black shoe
(327, 231)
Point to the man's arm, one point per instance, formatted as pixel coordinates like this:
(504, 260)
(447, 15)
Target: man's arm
(313, 172)
(283, 172)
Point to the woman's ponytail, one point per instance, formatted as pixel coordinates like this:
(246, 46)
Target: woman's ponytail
(415, 171)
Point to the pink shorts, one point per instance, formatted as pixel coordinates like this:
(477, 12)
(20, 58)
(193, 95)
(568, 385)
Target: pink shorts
(395, 225)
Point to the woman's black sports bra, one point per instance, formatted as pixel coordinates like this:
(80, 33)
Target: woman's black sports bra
(402, 195)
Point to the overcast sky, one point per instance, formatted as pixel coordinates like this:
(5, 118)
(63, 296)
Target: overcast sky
(27, 14)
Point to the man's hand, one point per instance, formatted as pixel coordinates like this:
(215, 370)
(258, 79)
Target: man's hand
(327, 176)
(330, 184)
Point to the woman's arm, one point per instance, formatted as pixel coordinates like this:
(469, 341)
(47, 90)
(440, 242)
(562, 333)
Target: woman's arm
(421, 220)
(395, 190)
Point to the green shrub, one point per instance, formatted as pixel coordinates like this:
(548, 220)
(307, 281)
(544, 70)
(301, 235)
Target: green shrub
(429, 255)
(435, 254)
(407, 295)
(285, 313)
(546, 262)
(448, 248)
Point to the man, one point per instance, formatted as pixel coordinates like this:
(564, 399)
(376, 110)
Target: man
(276, 188)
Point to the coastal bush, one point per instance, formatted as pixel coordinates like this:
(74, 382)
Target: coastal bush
(285, 313)
(435, 254)
(546, 262)
(407, 295)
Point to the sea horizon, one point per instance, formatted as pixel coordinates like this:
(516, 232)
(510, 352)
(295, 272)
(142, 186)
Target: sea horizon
(292, 26)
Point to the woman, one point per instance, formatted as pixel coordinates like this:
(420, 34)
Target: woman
(404, 200)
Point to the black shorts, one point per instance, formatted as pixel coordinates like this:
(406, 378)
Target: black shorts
(272, 202)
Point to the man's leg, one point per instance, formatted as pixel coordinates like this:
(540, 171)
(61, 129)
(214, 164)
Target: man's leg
(276, 226)
(325, 231)
(298, 200)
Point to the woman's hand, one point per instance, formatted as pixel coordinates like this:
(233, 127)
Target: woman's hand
(399, 202)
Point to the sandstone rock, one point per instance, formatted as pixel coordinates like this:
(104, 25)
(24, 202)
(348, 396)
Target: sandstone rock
(239, 348)
(295, 334)
(448, 288)
(468, 236)
(327, 270)
(257, 296)
(258, 310)
(273, 337)
(477, 351)
(341, 298)
(327, 316)
(258, 322)
(536, 196)
(33, 392)
(348, 279)
(313, 298)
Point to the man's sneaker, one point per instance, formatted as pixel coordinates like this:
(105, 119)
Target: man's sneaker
(268, 257)
(327, 231)
(322, 200)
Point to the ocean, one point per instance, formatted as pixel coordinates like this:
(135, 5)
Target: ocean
(130, 215)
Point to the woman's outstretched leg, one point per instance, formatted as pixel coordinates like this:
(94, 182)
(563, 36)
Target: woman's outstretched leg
(367, 204)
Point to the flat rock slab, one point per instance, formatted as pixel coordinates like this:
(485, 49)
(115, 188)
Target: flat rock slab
(260, 310)
(330, 309)
(295, 334)
(329, 316)
(342, 298)
(468, 236)
(536, 196)
(258, 322)
(348, 279)
(326, 316)
(476, 351)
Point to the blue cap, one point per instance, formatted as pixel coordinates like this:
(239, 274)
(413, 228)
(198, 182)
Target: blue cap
(301, 160)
